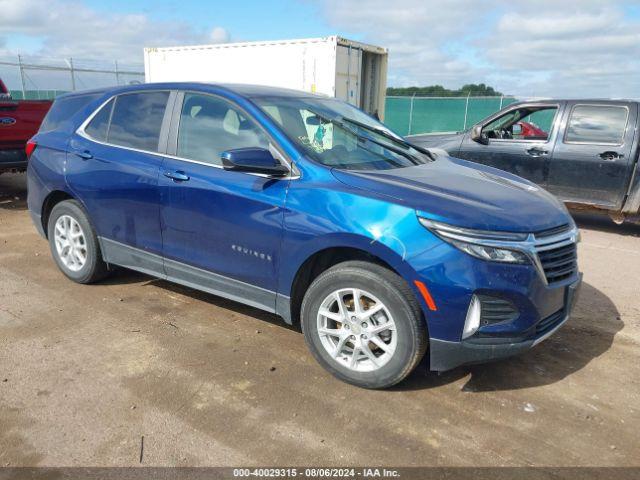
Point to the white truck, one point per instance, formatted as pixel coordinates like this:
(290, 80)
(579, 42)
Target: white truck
(351, 71)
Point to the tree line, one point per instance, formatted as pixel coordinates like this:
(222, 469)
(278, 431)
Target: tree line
(471, 89)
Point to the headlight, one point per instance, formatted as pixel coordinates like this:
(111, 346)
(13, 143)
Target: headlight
(480, 244)
(491, 253)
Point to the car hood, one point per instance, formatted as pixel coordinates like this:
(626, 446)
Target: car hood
(464, 194)
(447, 141)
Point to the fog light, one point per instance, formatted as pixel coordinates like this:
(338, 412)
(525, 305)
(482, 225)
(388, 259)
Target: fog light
(472, 322)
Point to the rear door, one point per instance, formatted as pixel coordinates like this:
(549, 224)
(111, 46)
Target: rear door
(592, 158)
(112, 167)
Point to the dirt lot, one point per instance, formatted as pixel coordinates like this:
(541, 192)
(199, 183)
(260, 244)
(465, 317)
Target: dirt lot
(86, 371)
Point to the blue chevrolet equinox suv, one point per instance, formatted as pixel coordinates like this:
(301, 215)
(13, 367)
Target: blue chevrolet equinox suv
(305, 206)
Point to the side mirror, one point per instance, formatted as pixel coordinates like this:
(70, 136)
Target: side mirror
(253, 160)
(478, 136)
(313, 120)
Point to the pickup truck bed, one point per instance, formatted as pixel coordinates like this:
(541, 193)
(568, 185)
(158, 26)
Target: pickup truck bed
(585, 153)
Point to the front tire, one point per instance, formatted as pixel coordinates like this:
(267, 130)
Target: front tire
(74, 244)
(363, 324)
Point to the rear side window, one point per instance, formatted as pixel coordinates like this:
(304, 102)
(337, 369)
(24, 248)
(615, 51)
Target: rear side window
(99, 124)
(603, 124)
(60, 113)
(136, 120)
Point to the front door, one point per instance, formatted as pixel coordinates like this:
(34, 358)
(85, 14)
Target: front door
(519, 141)
(221, 229)
(591, 162)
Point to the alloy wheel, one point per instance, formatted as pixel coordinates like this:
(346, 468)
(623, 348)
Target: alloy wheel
(70, 243)
(357, 329)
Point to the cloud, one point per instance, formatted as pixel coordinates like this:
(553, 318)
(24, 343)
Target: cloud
(66, 28)
(543, 48)
(219, 35)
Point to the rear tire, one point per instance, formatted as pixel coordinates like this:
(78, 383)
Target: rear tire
(74, 243)
(370, 350)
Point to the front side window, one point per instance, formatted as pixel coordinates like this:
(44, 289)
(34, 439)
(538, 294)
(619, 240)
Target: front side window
(137, 119)
(339, 135)
(525, 123)
(209, 126)
(597, 124)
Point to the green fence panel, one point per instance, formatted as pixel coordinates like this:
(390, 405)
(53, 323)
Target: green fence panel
(438, 115)
(481, 108)
(396, 114)
(429, 115)
(543, 119)
(36, 94)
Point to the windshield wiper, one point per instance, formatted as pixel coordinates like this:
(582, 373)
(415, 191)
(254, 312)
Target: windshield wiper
(391, 148)
(388, 135)
(379, 131)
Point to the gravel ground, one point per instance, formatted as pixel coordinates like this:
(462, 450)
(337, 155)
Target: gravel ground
(87, 371)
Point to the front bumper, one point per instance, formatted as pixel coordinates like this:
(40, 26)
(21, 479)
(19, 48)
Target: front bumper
(13, 159)
(446, 355)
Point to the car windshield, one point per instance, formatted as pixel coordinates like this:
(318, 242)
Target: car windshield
(339, 135)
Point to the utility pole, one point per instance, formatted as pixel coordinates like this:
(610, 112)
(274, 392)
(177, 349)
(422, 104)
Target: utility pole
(466, 111)
(117, 73)
(411, 113)
(73, 77)
(22, 78)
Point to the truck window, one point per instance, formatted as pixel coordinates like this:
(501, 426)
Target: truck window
(210, 125)
(525, 123)
(137, 119)
(63, 109)
(601, 124)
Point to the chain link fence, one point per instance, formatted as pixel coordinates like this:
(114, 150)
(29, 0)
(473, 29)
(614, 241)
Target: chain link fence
(41, 78)
(415, 115)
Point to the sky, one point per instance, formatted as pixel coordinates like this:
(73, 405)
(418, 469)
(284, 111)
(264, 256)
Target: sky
(551, 48)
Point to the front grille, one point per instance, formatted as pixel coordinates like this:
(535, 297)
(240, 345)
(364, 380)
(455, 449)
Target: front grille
(547, 324)
(496, 310)
(553, 231)
(559, 263)
(558, 254)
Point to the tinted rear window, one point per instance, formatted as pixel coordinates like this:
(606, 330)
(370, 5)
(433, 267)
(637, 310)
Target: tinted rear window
(97, 128)
(136, 120)
(597, 124)
(60, 113)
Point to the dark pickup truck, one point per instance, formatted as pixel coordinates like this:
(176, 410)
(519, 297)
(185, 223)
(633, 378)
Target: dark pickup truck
(19, 121)
(583, 151)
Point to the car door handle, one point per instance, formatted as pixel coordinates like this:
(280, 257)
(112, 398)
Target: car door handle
(177, 176)
(536, 152)
(84, 155)
(610, 156)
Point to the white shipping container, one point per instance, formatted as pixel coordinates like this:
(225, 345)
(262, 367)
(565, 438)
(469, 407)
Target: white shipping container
(351, 71)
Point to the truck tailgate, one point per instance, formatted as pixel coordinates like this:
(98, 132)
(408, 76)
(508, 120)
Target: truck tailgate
(20, 120)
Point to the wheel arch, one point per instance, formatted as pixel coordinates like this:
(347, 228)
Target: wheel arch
(327, 255)
(51, 200)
